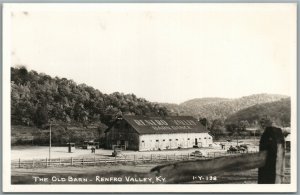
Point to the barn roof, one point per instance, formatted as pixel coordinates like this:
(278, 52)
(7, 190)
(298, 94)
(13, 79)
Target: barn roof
(163, 125)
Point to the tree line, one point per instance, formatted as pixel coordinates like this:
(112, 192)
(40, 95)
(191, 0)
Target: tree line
(221, 128)
(38, 99)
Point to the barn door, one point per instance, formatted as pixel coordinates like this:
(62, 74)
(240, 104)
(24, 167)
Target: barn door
(143, 145)
(200, 144)
(156, 144)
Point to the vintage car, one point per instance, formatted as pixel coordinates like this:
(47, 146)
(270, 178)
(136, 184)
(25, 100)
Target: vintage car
(240, 148)
(117, 151)
(197, 153)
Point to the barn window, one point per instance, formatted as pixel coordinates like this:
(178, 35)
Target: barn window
(157, 140)
(199, 137)
(188, 138)
(176, 139)
(143, 141)
(205, 138)
(209, 138)
(164, 140)
(170, 139)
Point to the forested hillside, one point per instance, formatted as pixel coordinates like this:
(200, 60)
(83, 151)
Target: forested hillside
(279, 112)
(37, 98)
(202, 101)
(219, 108)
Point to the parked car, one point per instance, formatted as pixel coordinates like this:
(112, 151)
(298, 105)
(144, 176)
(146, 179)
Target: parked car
(243, 148)
(197, 153)
(117, 152)
(240, 148)
(232, 149)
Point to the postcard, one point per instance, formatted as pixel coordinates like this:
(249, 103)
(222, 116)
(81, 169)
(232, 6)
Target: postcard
(149, 97)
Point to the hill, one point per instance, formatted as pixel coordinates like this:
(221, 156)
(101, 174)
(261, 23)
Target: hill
(37, 98)
(278, 111)
(203, 101)
(215, 108)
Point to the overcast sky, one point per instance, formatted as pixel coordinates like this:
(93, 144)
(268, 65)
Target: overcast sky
(165, 53)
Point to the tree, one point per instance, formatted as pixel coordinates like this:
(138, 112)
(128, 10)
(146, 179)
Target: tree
(265, 121)
(231, 128)
(243, 125)
(204, 122)
(41, 116)
(217, 127)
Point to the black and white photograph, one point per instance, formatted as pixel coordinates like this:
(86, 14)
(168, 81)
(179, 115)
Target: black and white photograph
(149, 97)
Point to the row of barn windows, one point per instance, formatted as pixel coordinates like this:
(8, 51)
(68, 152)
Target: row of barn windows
(176, 139)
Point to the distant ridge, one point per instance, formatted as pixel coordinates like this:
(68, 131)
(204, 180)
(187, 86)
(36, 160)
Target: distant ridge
(213, 108)
(278, 111)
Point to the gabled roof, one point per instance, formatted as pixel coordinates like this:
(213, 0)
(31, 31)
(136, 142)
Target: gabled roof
(163, 125)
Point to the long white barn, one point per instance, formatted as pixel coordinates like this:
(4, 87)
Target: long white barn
(157, 133)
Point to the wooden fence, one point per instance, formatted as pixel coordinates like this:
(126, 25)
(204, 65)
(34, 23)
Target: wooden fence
(181, 168)
(36, 163)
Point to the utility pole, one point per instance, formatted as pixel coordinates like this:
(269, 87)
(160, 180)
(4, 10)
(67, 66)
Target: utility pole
(50, 143)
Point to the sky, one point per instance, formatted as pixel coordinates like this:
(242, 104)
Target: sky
(164, 53)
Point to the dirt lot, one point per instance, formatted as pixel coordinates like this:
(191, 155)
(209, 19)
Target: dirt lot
(42, 152)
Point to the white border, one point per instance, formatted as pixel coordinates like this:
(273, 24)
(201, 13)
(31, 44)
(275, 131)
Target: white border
(7, 187)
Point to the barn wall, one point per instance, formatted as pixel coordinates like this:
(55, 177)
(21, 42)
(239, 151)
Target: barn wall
(122, 134)
(173, 141)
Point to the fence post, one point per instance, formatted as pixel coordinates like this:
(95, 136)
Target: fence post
(71, 161)
(19, 162)
(94, 160)
(167, 157)
(174, 156)
(82, 161)
(59, 162)
(134, 158)
(46, 162)
(188, 156)
(32, 163)
(272, 141)
(151, 157)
